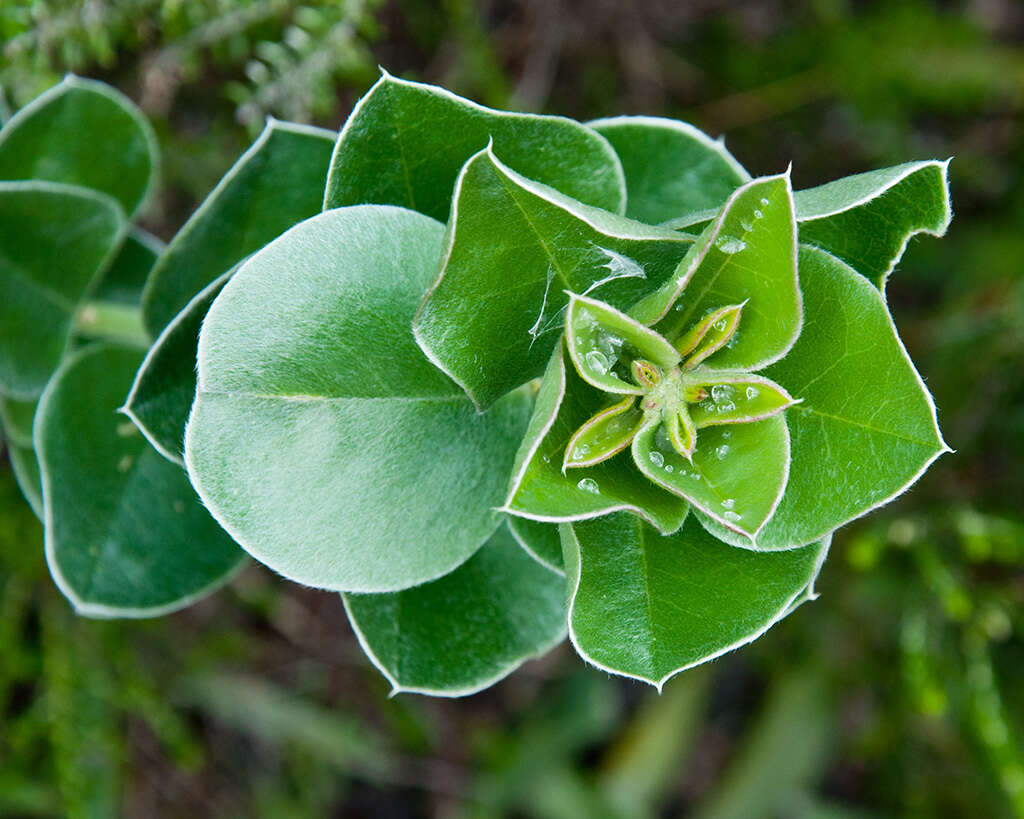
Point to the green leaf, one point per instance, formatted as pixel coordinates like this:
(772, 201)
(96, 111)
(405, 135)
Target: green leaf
(16, 418)
(736, 476)
(125, 534)
(277, 183)
(82, 132)
(866, 220)
(596, 335)
(540, 540)
(603, 436)
(866, 429)
(55, 240)
(541, 491)
(649, 606)
(122, 282)
(165, 385)
(746, 255)
(465, 631)
(26, 473)
(736, 398)
(490, 336)
(318, 423)
(671, 168)
(405, 142)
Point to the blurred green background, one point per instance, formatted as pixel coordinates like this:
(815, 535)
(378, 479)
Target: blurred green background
(899, 693)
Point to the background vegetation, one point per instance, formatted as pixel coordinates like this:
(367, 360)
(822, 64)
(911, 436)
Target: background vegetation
(897, 694)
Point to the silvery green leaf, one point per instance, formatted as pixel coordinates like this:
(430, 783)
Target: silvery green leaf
(56, 239)
(165, 386)
(277, 183)
(318, 423)
(866, 220)
(125, 534)
(648, 606)
(86, 133)
(497, 308)
(404, 144)
(465, 631)
(540, 490)
(671, 168)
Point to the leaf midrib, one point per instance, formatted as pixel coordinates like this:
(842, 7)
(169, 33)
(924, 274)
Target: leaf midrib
(310, 399)
(870, 428)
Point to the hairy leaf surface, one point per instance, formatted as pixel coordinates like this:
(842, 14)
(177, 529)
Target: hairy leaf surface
(465, 631)
(867, 219)
(497, 308)
(54, 240)
(277, 183)
(648, 606)
(321, 437)
(125, 534)
(671, 168)
(405, 142)
(82, 132)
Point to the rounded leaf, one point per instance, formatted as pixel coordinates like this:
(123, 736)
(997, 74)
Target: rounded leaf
(465, 631)
(125, 534)
(82, 132)
(321, 437)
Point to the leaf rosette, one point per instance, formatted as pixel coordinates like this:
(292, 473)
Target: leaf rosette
(686, 378)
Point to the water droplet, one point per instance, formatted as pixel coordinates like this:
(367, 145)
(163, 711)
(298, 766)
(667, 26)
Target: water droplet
(721, 324)
(610, 345)
(730, 244)
(707, 406)
(727, 433)
(752, 393)
(764, 201)
(720, 393)
(729, 503)
(656, 458)
(731, 516)
(588, 485)
(758, 214)
(728, 406)
(125, 463)
(722, 451)
(668, 467)
(679, 307)
(747, 226)
(597, 361)
(579, 339)
(546, 459)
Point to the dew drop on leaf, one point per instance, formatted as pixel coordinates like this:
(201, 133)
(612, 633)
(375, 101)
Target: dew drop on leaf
(752, 393)
(730, 244)
(764, 201)
(588, 485)
(758, 214)
(597, 361)
(722, 451)
(729, 503)
(656, 458)
(731, 516)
